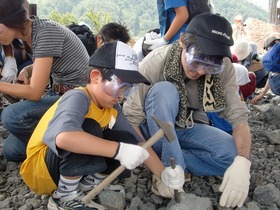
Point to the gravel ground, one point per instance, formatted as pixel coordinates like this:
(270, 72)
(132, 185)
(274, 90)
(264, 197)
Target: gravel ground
(264, 191)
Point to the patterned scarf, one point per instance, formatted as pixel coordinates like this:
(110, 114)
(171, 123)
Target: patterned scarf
(211, 94)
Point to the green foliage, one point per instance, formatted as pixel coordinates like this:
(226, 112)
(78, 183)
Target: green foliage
(230, 9)
(98, 19)
(64, 19)
(138, 16)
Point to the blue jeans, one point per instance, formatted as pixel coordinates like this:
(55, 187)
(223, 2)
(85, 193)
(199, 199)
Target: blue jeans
(202, 150)
(161, 16)
(20, 119)
(274, 84)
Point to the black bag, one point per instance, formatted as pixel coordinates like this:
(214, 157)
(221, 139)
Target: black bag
(197, 7)
(85, 35)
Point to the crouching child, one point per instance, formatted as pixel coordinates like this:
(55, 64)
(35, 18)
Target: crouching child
(84, 136)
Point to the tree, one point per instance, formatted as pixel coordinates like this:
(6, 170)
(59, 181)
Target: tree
(98, 19)
(64, 19)
(136, 28)
(274, 12)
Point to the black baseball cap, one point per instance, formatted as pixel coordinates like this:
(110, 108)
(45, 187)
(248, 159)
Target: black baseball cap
(213, 33)
(121, 59)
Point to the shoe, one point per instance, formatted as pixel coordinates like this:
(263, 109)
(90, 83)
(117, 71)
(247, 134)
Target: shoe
(86, 184)
(161, 189)
(71, 201)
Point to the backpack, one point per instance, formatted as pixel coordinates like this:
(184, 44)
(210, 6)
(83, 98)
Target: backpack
(85, 35)
(196, 7)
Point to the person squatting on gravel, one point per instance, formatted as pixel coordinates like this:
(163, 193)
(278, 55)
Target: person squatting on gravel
(85, 135)
(56, 52)
(190, 77)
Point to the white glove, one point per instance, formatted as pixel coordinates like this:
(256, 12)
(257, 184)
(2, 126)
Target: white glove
(151, 36)
(131, 155)
(173, 178)
(155, 43)
(9, 72)
(236, 181)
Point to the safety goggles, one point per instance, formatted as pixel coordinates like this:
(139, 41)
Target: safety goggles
(116, 88)
(196, 61)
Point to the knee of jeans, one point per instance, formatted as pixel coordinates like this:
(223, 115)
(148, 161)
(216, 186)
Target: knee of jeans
(11, 155)
(228, 156)
(6, 117)
(274, 87)
(164, 92)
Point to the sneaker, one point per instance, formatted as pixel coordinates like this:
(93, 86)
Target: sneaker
(161, 189)
(87, 184)
(71, 201)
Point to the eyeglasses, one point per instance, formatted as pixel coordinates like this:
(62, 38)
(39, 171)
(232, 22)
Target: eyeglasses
(196, 60)
(117, 88)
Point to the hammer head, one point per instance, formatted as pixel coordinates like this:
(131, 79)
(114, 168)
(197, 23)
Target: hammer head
(166, 127)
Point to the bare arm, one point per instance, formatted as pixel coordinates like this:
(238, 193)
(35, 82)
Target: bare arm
(92, 145)
(181, 17)
(38, 82)
(242, 139)
(87, 144)
(262, 94)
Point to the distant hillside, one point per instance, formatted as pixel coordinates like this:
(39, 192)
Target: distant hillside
(230, 9)
(140, 16)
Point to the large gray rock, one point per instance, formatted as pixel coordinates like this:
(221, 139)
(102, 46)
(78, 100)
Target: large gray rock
(190, 202)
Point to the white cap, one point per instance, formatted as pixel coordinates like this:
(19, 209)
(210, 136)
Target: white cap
(241, 49)
(242, 74)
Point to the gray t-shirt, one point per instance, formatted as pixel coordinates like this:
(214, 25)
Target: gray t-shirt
(70, 58)
(70, 115)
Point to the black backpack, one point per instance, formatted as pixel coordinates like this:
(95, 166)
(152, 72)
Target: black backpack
(85, 35)
(197, 7)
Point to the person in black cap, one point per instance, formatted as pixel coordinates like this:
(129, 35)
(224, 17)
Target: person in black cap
(85, 136)
(189, 78)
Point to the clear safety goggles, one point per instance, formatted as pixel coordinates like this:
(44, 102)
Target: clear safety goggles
(196, 61)
(117, 88)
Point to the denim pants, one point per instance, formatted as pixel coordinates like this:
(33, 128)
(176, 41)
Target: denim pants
(274, 84)
(79, 164)
(161, 16)
(20, 119)
(202, 150)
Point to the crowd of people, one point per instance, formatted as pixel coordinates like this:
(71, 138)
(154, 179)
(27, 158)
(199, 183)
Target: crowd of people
(197, 75)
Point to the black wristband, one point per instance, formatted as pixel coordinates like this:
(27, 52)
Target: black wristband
(117, 151)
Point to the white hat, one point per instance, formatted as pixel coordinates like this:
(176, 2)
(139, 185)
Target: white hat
(238, 17)
(241, 49)
(242, 74)
(121, 59)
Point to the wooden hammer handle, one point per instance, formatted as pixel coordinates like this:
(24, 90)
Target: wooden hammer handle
(95, 191)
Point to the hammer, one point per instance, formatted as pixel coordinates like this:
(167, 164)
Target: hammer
(165, 130)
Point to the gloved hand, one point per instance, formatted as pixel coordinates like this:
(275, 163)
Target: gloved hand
(155, 43)
(9, 71)
(236, 181)
(151, 36)
(131, 155)
(173, 178)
